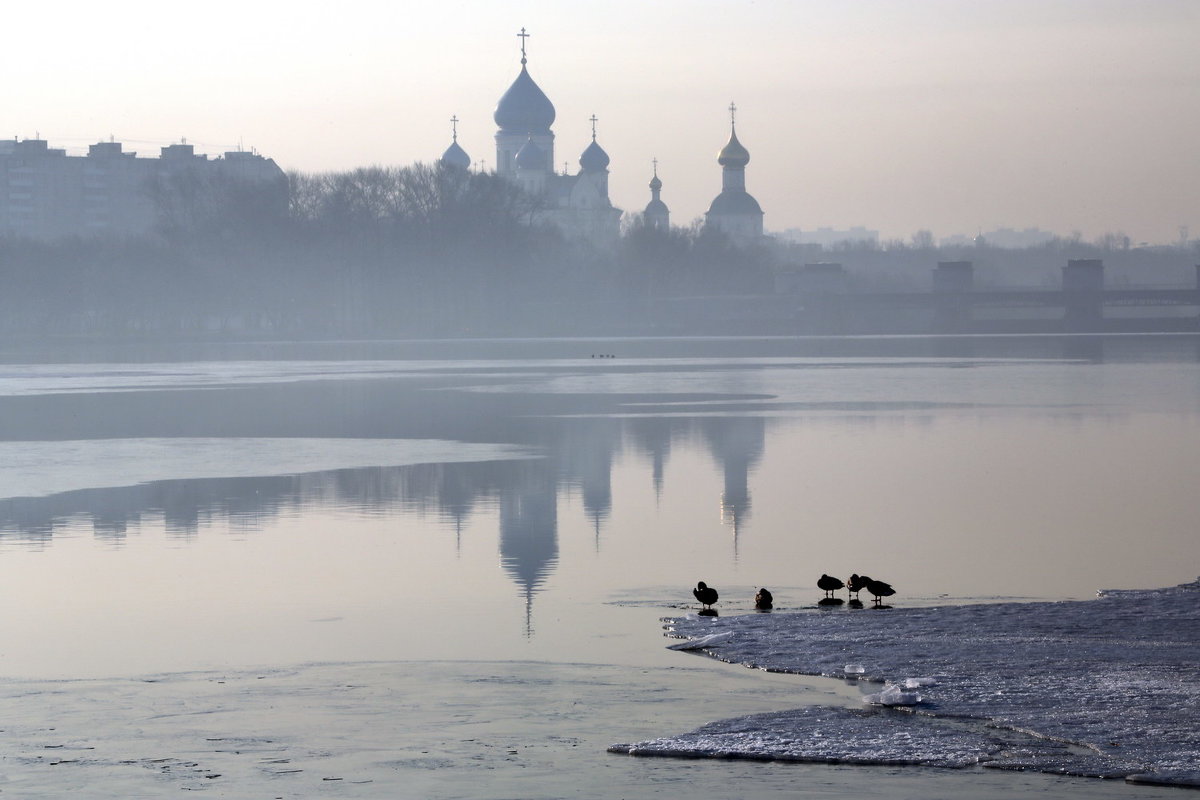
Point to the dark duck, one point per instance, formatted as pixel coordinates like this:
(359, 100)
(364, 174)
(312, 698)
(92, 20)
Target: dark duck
(705, 594)
(829, 584)
(763, 600)
(855, 584)
(880, 590)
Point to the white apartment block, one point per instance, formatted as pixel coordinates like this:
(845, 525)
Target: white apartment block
(46, 194)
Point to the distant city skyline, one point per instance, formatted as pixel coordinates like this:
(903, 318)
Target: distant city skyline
(1065, 115)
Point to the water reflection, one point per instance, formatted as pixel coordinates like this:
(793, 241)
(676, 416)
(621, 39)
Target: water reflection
(736, 443)
(529, 533)
(580, 454)
(535, 514)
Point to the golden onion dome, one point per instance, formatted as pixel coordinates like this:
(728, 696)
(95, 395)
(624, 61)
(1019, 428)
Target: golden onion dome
(733, 154)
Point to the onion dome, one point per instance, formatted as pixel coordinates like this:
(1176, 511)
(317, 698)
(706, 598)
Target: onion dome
(734, 202)
(655, 183)
(455, 156)
(656, 206)
(530, 156)
(733, 154)
(594, 159)
(524, 108)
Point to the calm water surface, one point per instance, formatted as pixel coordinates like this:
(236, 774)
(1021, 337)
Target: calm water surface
(528, 503)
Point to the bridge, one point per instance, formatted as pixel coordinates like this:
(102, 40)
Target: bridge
(956, 305)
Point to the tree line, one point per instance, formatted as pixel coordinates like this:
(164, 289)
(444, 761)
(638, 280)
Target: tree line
(376, 251)
(427, 250)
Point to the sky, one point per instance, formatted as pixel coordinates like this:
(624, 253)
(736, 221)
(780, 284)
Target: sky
(955, 116)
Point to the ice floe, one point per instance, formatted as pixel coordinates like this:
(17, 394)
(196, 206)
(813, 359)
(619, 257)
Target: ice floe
(700, 642)
(39, 469)
(1107, 687)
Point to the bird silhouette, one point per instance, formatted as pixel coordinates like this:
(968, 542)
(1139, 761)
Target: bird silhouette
(856, 583)
(829, 583)
(880, 589)
(763, 600)
(705, 594)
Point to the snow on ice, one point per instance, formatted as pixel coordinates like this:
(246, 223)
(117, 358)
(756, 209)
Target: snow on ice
(1107, 687)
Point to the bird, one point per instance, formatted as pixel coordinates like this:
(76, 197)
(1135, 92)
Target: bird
(763, 600)
(880, 589)
(829, 583)
(705, 594)
(856, 584)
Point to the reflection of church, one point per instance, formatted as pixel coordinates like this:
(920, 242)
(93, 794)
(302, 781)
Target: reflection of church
(737, 443)
(529, 530)
(579, 457)
(578, 204)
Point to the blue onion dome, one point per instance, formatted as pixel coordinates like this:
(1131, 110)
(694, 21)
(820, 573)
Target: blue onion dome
(524, 108)
(734, 201)
(733, 154)
(455, 156)
(530, 156)
(594, 159)
(655, 183)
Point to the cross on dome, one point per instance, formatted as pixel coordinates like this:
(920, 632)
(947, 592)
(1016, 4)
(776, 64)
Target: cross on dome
(523, 36)
(592, 119)
(732, 113)
(454, 127)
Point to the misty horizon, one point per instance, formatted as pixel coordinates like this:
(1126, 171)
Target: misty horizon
(954, 118)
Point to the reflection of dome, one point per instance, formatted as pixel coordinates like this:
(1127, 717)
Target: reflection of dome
(524, 108)
(594, 159)
(529, 534)
(455, 156)
(734, 201)
(733, 154)
(737, 443)
(530, 156)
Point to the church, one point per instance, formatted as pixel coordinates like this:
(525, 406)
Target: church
(579, 205)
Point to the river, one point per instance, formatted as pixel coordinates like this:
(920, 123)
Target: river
(503, 523)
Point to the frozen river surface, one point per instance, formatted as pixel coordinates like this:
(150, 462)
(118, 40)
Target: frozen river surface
(1107, 687)
(435, 569)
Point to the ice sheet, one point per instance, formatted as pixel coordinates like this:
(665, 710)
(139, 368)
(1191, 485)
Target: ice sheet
(38, 469)
(1117, 678)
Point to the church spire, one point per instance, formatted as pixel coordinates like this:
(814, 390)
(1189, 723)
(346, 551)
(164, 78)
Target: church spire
(523, 113)
(734, 211)
(733, 155)
(455, 156)
(594, 159)
(656, 215)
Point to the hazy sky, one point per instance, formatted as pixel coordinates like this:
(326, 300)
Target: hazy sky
(952, 115)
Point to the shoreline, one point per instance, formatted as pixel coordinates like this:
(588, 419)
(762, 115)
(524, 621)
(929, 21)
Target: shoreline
(1038, 681)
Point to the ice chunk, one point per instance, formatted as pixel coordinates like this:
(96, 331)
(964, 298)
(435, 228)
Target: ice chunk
(853, 670)
(712, 640)
(893, 695)
(917, 683)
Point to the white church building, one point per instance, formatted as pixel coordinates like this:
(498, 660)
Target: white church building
(579, 204)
